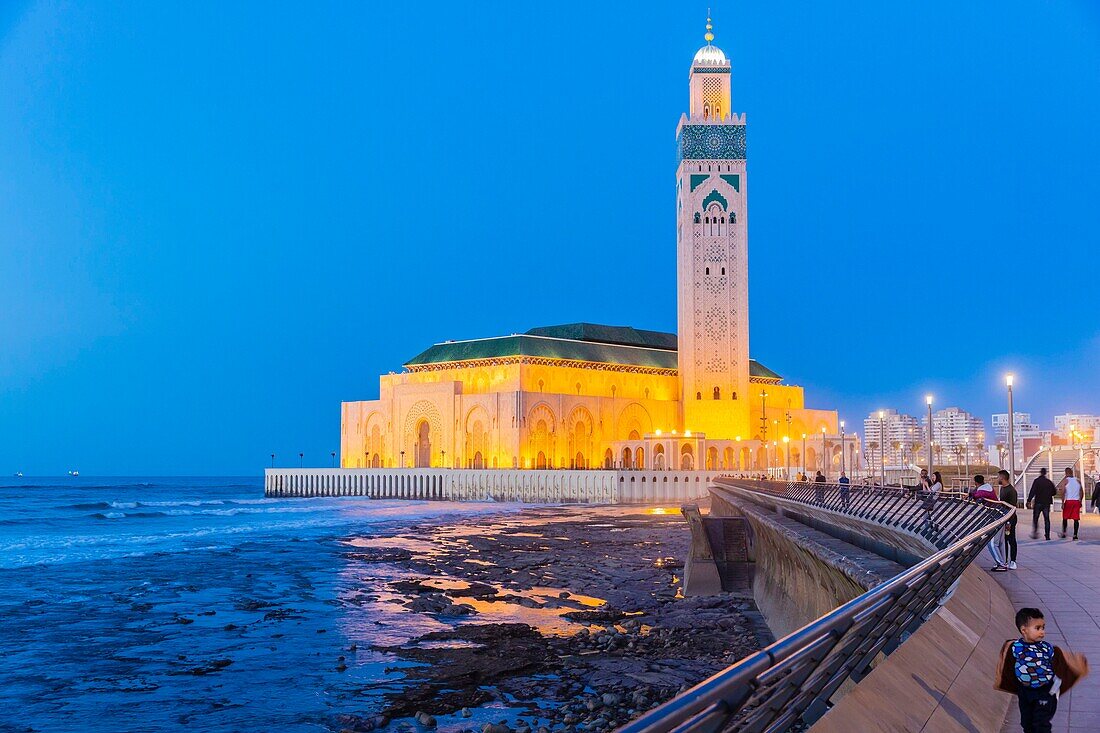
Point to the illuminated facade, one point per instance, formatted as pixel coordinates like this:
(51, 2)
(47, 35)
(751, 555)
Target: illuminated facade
(591, 396)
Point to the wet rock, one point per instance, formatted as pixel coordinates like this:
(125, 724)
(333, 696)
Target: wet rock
(496, 728)
(209, 668)
(466, 713)
(425, 719)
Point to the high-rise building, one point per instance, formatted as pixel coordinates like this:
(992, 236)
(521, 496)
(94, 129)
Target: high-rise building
(957, 436)
(1023, 429)
(1087, 427)
(893, 436)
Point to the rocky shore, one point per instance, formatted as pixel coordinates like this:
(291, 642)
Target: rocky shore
(553, 619)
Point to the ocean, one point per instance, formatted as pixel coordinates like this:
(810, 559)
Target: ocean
(164, 604)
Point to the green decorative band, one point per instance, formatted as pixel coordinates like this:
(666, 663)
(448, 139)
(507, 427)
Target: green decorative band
(698, 180)
(711, 142)
(708, 70)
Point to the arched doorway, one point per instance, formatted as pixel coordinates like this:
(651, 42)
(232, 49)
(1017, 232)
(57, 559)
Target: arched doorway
(479, 460)
(729, 459)
(540, 460)
(687, 458)
(712, 458)
(627, 462)
(423, 445)
(608, 458)
(659, 457)
(376, 461)
(639, 458)
(578, 461)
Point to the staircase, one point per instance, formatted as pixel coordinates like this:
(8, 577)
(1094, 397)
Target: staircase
(1056, 459)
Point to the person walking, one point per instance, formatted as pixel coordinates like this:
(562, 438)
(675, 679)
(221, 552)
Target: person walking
(1037, 672)
(1039, 499)
(984, 492)
(846, 489)
(1009, 496)
(1096, 496)
(1071, 502)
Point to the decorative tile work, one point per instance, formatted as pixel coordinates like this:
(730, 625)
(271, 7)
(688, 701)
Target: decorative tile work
(715, 196)
(711, 142)
(698, 179)
(733, 180)
(709, 70)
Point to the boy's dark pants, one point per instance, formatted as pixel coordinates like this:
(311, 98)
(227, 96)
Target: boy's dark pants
(1037, 708)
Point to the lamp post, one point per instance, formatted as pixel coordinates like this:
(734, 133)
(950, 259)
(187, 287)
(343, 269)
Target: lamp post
(824, 456)
(402, 459)
(442, 459)
(805, 468)
(273, 460)
(881, 448)
(928, 401)
(333, 454)
(842, 463)
(775, 458)
(787, 453)
(764, 416)
(1011, 431)
(966, 443)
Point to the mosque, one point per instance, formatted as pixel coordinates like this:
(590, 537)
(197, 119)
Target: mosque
(587, 396)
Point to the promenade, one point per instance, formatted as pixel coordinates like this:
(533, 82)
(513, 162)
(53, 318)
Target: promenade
(1062, 578)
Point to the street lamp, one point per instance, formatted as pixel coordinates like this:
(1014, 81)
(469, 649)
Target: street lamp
(273, 460)
(824, 451)
(775, 458)
(805, 468)
(402, 459)
(1009, 378)
(333, 459)
(881, 448)
(842, 464)
(301, 460)
(787, 452)
(443, 458)
(764, 416)
(928, 401)
(967, 443)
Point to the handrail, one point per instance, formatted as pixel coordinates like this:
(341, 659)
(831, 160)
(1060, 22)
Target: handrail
(792, 680)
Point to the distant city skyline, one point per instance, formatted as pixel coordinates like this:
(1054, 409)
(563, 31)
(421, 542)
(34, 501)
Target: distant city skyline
(217, 225)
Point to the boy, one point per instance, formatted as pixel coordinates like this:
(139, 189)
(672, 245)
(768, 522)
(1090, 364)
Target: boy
(1037, 672)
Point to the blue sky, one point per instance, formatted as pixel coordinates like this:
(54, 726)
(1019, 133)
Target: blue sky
(218, 222)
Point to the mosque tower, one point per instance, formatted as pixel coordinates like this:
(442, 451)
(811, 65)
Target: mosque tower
(712, 254)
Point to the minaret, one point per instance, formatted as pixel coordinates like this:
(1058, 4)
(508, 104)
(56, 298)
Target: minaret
(712, 253)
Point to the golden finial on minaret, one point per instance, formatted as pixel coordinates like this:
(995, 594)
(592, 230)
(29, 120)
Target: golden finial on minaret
(709, 36)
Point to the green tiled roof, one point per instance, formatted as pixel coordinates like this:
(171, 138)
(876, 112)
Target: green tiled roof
(573, 342)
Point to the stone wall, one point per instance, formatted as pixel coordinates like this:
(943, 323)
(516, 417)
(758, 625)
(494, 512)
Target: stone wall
(803, 574)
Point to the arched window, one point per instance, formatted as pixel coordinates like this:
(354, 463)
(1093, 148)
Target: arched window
(717, 111)
(723, 271)
(697, 217)
(706, 271)
(717, 393)
(698, 395)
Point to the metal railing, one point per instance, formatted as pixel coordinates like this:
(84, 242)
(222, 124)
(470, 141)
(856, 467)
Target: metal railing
(791, 681)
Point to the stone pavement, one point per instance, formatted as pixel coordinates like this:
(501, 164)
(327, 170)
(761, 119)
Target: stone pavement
(1062, 578)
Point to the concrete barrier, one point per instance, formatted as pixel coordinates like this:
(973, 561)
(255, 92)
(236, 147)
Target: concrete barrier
(534, 486)
(941, 679)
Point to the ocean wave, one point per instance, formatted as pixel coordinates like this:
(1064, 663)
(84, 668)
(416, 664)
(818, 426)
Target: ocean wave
(108, 515)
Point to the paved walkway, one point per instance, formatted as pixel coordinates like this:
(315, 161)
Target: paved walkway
(1062, 578)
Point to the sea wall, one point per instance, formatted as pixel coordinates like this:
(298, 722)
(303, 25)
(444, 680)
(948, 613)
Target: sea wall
(802, 573)
(537, 486)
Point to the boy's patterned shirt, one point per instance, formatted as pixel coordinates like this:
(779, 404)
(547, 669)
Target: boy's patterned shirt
(1033, 663)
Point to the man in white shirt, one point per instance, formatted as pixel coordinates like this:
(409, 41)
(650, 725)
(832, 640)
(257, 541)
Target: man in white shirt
(1071, 502)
